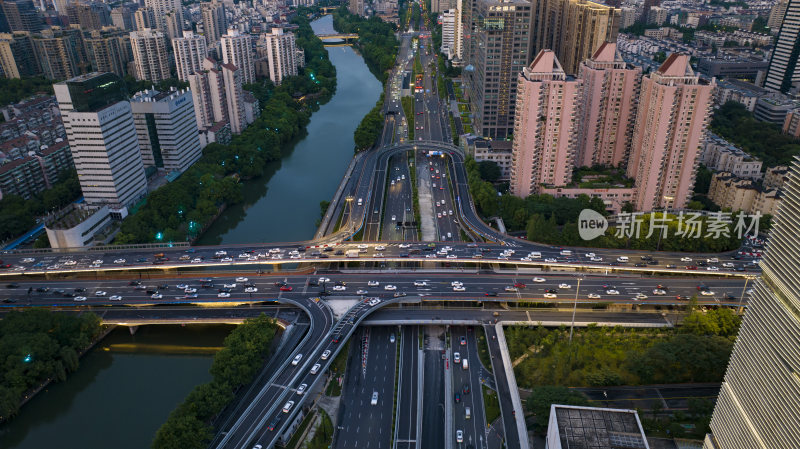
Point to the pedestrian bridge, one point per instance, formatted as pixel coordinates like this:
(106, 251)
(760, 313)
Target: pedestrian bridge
(339, 36)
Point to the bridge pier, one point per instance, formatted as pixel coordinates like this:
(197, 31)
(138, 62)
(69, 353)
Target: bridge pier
(133, 329)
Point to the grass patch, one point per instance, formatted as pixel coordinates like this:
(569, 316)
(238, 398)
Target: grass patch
(408, 110)
(414, 192)
(301, 430)
(483, 350)
(491, 404)
(337, 369)
(324, 434)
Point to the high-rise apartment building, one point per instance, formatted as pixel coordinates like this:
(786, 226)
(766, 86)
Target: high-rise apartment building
(281, 53)
(214, 21)
(499, 49)
(173, 24)
(17, 57)
(608, 108)
(545, 126)
(449, 33)
(574, 29)
(776, 14)
(145, 18)
(356, 7)
(122, 18)
(190, 51)
(61, 53)
(646, 9)
(21, 15)
(218, 96)
(150, 55)
(102, 136)
(670, 125)
(237, 49)
(166, 129)
(109, 50)
(458, 32)
(783, 73)
(89, 16)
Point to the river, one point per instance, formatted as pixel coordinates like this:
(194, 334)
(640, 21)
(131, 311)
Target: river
(121, 393)
(283, 205)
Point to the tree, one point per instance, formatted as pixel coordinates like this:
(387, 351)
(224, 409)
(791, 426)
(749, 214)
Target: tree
(541, 398)
(489, 171)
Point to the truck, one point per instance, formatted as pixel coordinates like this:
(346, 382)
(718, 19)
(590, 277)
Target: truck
(351, 253)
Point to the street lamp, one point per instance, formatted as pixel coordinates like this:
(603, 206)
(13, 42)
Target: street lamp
(575, 308)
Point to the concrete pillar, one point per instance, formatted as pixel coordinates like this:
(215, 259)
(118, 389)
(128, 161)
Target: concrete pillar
(133, 329)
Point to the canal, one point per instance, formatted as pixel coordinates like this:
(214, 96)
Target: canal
(283, 205)
(123, 391)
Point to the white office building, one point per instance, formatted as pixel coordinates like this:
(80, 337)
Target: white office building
(99, 123)
(237, 49)
(190, 51)
(449, 19)
(166, 129)
(150, 55)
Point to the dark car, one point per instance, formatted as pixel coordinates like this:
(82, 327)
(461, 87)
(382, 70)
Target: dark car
(224, 290)
(640, 265)
(274, 423)
(79, 290)
(280, 284)
(491, 293)
(42, 289)
(163, 287)
(249, 284)
(323, 256)
(339, 253)
(9, 300)
(341, 283)
(134, 283)
(551, 291)
(336, 338)
(313, 283)
(648, 257)
(652, 262)
(327, 249)
(682, 298)
(12, 285)
(141, 260)
(458, 397)
(207, 285)
(465, 389)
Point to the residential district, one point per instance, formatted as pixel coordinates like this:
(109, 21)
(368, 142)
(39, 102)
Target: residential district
(517, 304)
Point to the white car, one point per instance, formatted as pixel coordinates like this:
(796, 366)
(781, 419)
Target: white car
(223, 295)
(288, 406)
(712, 260)
(362, 246)
(100, 293)
(706, 293)
(361, 291)
(229, 285)
(377, 255)
(686, 259)
(589, 255)
(727, 265)
(197, 260)
(612, 292)
(297, 359)
(712, 268)
(28, 260)
(156, 296)
(457, 357)
(115, 298)
(323, 280)
(190, 290)
(539, 280)
(374, 301)
(456, 283)
(405, 245)
(251, 290)
(641, 296)
(550, 260)
(420, 284)
(339, 288)
(510, 289)
(452, 256)
(302, 388)
(594, 296)
(459, 288)
(242, 279)
(326, 354)
(564, 286)
(227, 259)
(373, 283)
(389, 287)
(79, 298)
(550, 295)
(182, 286)
(119, 260)
(659, 292)
(70, 263)
(459, 436)
(380, 248)
(97, 262)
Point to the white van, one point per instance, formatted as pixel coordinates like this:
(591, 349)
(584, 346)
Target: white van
(566, 252)
(360, 201)
(374, 400)
(622, 259)
(464, 364)
(449, 235)
(467, 413)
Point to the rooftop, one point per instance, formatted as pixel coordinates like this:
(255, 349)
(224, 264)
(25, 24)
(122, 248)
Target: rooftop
(597, 428)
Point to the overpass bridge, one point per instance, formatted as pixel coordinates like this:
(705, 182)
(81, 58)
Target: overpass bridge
(338, 36)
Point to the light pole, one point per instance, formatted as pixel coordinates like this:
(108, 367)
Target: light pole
(575, 308)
